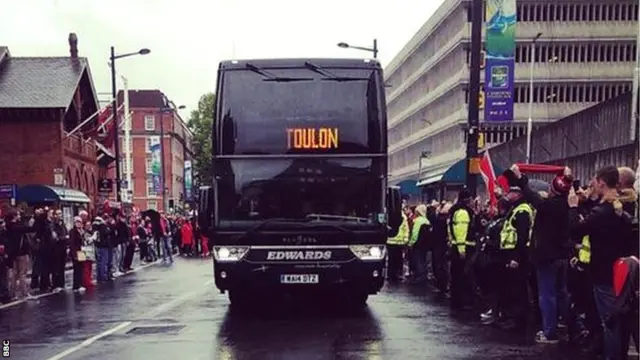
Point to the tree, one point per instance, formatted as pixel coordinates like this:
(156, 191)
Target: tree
(201, 125)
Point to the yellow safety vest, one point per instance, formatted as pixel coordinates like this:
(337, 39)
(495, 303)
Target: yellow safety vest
(402, 237)
(584, 254)
(509, 235)
(418, 222)
(460, 221)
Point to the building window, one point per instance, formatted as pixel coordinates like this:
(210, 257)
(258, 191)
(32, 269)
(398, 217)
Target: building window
(149, 122)
(152, 205)
(151, 190)
(149, 164)
(148, 145)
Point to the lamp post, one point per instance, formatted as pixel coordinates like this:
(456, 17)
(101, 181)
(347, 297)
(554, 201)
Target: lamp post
(166, 107)
(114, 110)
(373, 49)
(530, 119)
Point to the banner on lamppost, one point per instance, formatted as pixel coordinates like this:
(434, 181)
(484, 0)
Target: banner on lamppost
(156, 164)
(500, 46)
(188, 180)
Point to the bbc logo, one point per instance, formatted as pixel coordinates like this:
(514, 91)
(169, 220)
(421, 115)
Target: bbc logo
(6, 346)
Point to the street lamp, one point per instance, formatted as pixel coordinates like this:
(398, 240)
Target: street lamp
(166, 107)
(373, 49)
(114, 109)
(530, 120)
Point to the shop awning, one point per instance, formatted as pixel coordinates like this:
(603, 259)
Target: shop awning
(456, 174)
(35, 194)
(430, 180)
(408, 187)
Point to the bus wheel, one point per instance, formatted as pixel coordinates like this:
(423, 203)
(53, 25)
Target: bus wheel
(358, 300)
(239, 299)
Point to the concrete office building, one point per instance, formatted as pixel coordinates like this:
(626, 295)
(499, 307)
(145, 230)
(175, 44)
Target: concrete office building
(585, 55)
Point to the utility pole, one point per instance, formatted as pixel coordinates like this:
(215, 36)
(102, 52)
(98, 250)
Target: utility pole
(473, 120)
(116, 137)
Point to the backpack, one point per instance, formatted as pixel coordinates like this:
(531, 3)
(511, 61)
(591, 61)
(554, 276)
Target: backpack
(626, 276)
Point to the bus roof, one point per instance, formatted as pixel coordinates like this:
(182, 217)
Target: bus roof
(299, 63)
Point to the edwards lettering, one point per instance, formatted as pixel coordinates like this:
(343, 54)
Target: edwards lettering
(299, 255)
(322, 138)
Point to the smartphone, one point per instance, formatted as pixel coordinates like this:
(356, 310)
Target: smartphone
(576, 185)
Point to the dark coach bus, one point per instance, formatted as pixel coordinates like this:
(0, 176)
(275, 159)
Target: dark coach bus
(299, 199)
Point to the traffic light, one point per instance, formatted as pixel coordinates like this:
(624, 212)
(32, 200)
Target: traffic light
(481, 100)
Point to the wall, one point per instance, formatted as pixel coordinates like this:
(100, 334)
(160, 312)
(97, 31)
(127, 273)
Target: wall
(30, 149)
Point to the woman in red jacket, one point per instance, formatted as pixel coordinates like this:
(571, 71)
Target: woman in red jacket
(187, 237)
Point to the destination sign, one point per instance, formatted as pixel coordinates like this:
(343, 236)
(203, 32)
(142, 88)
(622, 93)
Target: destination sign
(312, 138)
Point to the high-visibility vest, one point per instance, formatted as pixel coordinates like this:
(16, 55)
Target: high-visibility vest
(509, 235)
(584, 254)
(418, 222)
(402, 237)
(460, 222)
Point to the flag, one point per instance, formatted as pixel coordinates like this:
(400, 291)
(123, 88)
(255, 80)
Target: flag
(489, 177)
(106, 128)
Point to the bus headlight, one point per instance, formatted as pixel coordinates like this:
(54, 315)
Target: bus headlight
(229, 253)
(369, 252)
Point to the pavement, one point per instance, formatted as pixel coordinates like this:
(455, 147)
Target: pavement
(174, 311)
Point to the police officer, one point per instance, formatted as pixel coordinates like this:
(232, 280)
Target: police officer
(395, 247)
(514, 243)
(462, 247)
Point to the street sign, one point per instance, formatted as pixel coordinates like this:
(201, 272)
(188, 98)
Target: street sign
(8, 191)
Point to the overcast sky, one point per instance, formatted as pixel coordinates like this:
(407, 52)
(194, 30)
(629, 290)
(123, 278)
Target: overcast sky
(188, 38)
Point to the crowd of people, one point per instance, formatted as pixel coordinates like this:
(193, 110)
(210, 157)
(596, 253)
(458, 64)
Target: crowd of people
(562, 257)
(36, 248)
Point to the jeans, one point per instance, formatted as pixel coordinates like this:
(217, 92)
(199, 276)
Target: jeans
(166, 249)
(103, 255)
(117, 258)
(553, 296)
(605, 299)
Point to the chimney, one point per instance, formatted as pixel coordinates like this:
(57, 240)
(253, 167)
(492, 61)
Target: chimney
(73, 45)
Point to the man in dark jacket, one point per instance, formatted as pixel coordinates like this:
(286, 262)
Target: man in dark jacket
(550, 249)
(59, 259)
(607, 231)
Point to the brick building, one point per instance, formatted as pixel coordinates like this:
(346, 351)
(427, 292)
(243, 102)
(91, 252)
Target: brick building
(148, 109)
(41, 100)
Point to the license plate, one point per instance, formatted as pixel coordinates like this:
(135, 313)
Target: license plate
(299, 279)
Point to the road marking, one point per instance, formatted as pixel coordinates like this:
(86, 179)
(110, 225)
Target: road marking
(90, 341)
(175, 302)
(40, 296)
(155, 312)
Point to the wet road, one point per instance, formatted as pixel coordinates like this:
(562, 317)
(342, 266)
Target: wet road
(175, 312)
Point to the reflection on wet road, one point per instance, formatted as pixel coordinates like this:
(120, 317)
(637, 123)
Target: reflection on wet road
(176, 313)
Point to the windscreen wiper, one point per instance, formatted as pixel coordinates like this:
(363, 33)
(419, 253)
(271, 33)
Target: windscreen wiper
(328, 76)
(271, 77)
(262, 224)
(319, 217)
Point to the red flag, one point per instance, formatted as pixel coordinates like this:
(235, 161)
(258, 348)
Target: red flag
(106, 127)
(489, 176)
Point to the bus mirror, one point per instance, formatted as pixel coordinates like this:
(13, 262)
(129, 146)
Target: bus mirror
(394, 210)
(204, 209)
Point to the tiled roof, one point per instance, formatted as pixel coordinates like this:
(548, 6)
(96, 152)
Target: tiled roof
(39, 82)
(143, 98)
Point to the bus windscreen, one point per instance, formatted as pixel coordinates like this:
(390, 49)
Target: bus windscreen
(298, 111)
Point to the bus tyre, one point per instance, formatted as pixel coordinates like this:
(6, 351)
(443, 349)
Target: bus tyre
(238, 299)
(358, 300)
